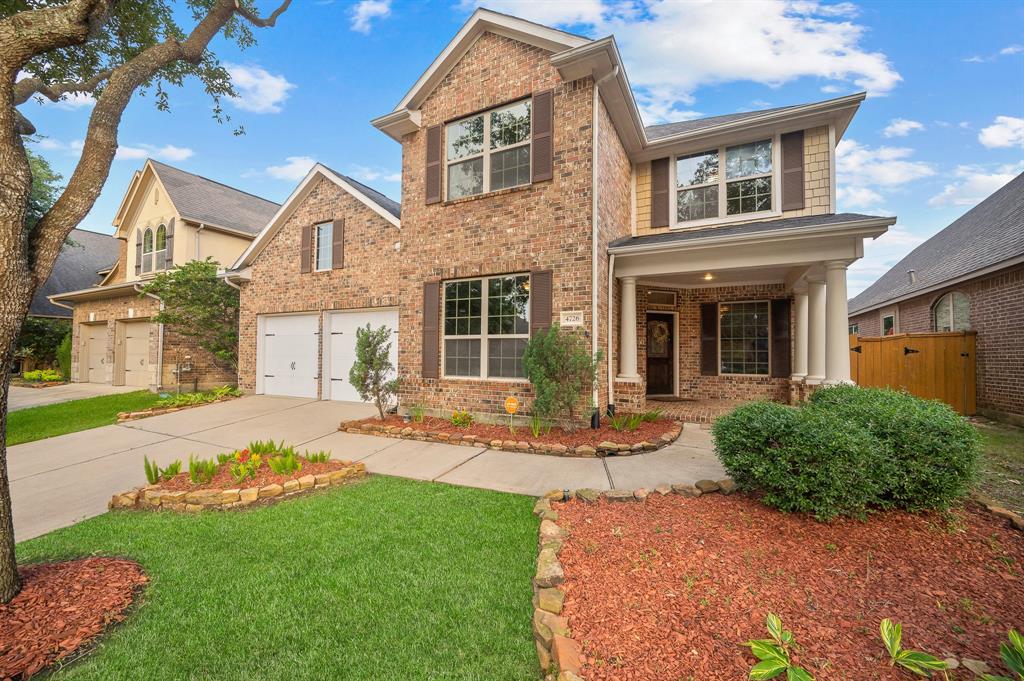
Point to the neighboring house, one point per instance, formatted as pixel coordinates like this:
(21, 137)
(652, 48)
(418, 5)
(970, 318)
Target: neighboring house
(167, 217)
(704, 259)
(969, 276)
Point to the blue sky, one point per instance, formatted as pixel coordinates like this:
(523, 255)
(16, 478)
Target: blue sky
(943, 126)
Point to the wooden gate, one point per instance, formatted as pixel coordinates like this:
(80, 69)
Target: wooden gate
(937, 366)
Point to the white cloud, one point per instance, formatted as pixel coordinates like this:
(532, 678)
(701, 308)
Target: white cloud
(901, 127)
(294, 168)
(864, 173)
(259, 91)
(1005, 131)
(770, 42)
(880, 255)
(366, 11)
(1012, 49)
(974, 59)
(168, 152)
(831, 89)
(857, 197)
(975, 183)
(365, 174)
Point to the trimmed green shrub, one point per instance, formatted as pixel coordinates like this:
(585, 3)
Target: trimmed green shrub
(850, 450)
(64, 357)
(562, 370)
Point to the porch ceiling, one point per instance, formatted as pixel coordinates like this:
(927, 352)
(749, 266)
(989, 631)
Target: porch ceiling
(729, 277)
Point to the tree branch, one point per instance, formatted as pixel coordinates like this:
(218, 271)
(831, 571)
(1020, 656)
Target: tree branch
(255, 19)
(26, 87)
(29, 33)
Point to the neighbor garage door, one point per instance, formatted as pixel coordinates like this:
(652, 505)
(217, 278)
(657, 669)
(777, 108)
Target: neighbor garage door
(136, 353)
(289, 355)
(96, 352)
(340, 347)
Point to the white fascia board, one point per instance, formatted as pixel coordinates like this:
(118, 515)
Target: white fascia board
(119, 215)
(398, 123)
(360, 196)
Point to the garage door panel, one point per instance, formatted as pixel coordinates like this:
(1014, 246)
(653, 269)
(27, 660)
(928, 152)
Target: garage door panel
(289, 355)
(136, 353)
(341, 348)
(96, 353)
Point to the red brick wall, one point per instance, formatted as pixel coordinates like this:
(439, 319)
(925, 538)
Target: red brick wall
(369, 278)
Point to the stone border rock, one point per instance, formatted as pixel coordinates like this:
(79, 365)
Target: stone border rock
(157, 411)
(151, 497)
(561, 657)
(995, 508)
(606, 448)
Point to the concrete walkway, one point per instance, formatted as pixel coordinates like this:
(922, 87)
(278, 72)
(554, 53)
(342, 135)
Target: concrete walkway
(59, 481)
(23, 398)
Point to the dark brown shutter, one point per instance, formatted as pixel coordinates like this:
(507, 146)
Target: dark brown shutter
(540, 299)
(431, 329)
(782, 366)
(169, 245)
(338, 247)
(542, 146)
(306, 251)
(433, 176)
(709, 339)
(793, 170)
(659, 193)
(138, 252)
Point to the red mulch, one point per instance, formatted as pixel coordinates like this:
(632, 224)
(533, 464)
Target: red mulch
(264, 476)
(61, 608)
(647, 432)
(672, 588)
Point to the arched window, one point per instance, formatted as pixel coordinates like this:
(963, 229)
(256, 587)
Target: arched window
(147, 241)
(161, 238)
(160, 252)
(951, 312)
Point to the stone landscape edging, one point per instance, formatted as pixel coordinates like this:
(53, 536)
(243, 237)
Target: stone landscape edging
(157, 411)
(995, 508)
(559, 654)
(151, 497)
(606, 448)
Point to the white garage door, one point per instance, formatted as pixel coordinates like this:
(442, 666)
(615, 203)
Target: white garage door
(340, 350)
(96, 352)
(136, 353)
(289, 355)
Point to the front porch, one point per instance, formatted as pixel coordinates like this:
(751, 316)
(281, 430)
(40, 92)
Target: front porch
(703, 412)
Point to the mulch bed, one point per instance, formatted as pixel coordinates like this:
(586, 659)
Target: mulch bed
(222, 479)
(649, 431)
(62, 607)
(672, 588)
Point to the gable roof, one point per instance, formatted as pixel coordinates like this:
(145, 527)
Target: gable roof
(987, 236)
(203, 200)
(388, 209)
(77, 267)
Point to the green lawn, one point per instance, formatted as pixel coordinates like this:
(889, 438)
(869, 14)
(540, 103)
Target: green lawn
(36, 423)
(385, 579)
(1002, 469)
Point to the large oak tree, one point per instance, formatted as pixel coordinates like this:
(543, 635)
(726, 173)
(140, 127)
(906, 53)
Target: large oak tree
(109, 49)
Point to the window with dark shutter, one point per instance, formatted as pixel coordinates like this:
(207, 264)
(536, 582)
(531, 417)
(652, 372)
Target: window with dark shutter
(659, 193)
(543, 136)
(338, 247)
(138, 252)
(782, 366)
(793, 170)
(540, 299)
(709, 339)
(432, 179)
(169, 247)
(306, 250)
(431, 329)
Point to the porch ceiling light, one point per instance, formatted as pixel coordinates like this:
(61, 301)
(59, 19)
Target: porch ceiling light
(708, 277)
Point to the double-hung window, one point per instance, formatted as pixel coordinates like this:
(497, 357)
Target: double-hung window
(743, 337)
(154, 249)
(488, 151)
(486, 326)
(324, 250)
(705, 192)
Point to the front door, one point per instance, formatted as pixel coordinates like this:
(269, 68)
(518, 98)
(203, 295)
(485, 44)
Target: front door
(660, 344)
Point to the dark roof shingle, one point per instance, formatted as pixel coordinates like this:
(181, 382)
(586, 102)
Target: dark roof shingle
(76, 268)
(390, 205)
(986, 235)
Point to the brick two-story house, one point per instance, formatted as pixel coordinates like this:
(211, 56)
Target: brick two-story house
(704, 259)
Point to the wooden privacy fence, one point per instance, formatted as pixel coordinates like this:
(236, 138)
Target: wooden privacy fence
(936, 366)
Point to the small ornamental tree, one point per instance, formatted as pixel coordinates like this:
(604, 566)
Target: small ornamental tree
(372, 373)
(64, 357)
(559, 365)
(197, 304)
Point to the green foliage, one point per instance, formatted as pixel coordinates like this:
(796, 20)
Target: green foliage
(318, 457)
(461, 418)
(42, 376)
(199, 305)
(914, 661)
(223, 458)
(372, 374)
(417, 413)
(45, 188)
(152, 470)
(1012, 653)
(201, 471)
(267, 447)
(285, 464)
(652, 415)
(64, 357)
(171, 470)
(245, 466)
(849, 450)
(202, 397)
(559, 365)
(40, 337)
(773, 654)
(539, 425)
(626, 422)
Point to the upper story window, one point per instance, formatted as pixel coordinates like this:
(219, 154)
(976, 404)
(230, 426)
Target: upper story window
(486, 326)
(703, 192)
(323, 249)
(488, 151)
(952, 312)
(154, 249)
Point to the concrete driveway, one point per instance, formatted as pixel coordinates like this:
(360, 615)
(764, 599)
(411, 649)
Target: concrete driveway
(23, 398)
(59, 481)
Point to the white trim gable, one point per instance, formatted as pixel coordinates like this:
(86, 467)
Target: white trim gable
(299, 194)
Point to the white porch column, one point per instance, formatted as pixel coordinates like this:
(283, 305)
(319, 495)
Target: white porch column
(800, 339)
(627, 328)
(815, 332)
(837, 340)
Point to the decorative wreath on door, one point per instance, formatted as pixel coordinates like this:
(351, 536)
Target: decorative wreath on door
(657, 339)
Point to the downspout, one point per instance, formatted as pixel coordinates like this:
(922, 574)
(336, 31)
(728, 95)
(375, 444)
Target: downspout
(199, 234)
(594, 222)
(611, 369)
(159, 342)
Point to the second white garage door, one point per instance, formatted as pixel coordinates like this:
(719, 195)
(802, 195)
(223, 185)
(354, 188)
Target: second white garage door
(289, 355)
(136, 353)
(340, 347)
